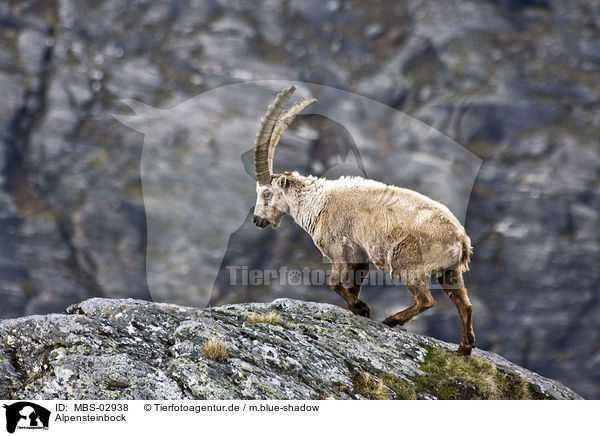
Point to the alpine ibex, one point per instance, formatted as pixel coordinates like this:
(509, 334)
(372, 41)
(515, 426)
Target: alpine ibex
(355, 222)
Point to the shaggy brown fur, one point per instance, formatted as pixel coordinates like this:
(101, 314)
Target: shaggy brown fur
(355, 222)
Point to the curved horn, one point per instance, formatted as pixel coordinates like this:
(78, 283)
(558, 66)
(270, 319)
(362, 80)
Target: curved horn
(263, 137)
(272, 127)
(283, 123)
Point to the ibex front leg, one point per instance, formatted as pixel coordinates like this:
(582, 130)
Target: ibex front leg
(354, 274)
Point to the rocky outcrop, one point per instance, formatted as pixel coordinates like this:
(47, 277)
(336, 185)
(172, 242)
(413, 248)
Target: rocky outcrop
(287, 349)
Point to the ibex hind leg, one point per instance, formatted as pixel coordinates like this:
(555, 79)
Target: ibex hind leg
(406, 260)
(453, 284)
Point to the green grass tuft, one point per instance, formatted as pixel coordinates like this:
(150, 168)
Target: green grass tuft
(263, 318)
(368, 387)
(216, 349)
(452, 376)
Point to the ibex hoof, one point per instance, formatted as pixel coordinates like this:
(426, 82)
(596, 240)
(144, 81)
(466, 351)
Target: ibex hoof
(465, 349)
(390, 321)
(360, 308)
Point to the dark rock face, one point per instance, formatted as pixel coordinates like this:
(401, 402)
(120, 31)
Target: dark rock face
(516, 83)
(128, 349)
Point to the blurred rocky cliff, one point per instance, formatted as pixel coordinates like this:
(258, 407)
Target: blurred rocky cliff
(516, 83)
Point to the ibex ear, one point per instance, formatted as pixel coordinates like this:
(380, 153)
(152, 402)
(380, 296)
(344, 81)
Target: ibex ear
(283, 182)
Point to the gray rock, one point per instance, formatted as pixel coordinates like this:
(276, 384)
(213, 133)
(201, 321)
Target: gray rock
(128, 349)
(375, 30)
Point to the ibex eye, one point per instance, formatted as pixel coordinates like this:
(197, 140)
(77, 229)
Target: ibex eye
(267, 195)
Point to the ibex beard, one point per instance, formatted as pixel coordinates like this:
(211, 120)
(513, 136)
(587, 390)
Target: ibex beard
(356, 222)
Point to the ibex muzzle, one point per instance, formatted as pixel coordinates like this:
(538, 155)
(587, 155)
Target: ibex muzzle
(260, 222)
(356, 222)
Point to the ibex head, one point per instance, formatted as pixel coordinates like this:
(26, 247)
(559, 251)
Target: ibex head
(271, 204)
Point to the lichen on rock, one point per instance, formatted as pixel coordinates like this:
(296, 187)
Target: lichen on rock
(130, 349)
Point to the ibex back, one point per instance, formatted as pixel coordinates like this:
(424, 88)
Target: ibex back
(356, 222)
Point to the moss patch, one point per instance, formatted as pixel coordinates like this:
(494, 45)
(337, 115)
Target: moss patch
(114, 385)
(452, 376)
(343, 388)
(402, 389)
